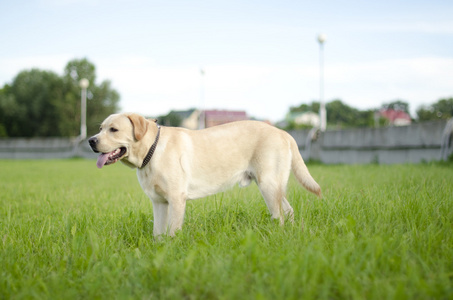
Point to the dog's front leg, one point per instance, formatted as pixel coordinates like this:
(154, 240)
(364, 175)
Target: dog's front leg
(160, 210)
(176, 210)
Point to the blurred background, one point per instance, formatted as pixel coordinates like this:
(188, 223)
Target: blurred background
(370, 64)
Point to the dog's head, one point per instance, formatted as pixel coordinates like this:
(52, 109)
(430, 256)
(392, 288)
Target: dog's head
(121, 137)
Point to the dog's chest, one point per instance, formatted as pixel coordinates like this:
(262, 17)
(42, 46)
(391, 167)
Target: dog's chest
(149, 184)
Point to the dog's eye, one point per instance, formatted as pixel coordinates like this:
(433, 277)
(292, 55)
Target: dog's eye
(113, 129)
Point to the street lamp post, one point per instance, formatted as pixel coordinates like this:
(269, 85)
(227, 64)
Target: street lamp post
(202, 117)
(83, 83)
(322, 108)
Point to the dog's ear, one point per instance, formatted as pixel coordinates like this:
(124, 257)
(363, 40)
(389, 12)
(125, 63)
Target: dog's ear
(140, 125)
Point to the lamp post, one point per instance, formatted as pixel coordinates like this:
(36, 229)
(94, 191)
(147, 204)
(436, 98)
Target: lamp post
(83, 83)
(202, 117)
(322, 108)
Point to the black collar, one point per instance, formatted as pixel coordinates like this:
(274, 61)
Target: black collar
(151, 150)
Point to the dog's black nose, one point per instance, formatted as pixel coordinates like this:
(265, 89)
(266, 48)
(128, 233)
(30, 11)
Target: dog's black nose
(93, 141)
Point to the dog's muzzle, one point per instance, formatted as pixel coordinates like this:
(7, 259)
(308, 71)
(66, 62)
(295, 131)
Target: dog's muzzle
(93, 141)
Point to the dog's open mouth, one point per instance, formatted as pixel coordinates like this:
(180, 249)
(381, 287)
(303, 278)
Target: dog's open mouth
(110, 158)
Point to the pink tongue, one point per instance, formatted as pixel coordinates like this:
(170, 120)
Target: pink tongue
(102, 159)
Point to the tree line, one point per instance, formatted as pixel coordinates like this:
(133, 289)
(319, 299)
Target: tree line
(45, 104)
(341, 115)
(41, 103)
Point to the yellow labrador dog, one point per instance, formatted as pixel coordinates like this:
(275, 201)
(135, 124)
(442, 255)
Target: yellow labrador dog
(175, 164)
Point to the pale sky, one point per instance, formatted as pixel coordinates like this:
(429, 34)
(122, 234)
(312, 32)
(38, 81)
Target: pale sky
(258, 56)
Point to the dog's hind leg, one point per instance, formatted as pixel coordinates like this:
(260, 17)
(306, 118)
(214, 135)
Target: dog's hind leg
(272, 177)
(273, 195)
(276, 202)
(287, 210)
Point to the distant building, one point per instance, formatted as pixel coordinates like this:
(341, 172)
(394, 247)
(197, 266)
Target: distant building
(396, 117)
(190, 119)
(307, 118)
(219, 117)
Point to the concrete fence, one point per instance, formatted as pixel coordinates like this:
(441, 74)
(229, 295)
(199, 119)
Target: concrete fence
(389, 145)
(44, 148)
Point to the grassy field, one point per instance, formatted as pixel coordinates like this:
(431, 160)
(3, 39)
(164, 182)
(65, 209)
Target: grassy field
(71, 231)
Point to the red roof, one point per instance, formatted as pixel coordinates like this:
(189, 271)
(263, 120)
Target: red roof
(392, 115)
(225, 113)
(217, 117)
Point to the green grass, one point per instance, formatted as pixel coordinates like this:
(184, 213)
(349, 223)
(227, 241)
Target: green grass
(71, 231)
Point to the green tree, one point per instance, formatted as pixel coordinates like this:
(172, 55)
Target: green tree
(441, 110)
(314, 107)
(31, 104)
(171, 119)
(102, 99)
(341, 115)
(41, 103)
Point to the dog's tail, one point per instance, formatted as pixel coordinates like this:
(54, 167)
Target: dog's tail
(301, 172)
